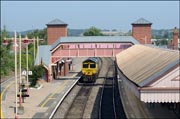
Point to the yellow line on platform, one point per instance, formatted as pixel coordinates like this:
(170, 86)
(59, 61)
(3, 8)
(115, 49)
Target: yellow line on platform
(2, 116)
(58, 89)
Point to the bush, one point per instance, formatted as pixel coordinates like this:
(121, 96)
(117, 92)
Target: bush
(37, 72)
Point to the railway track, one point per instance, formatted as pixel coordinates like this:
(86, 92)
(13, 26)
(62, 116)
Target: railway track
(84, 101)
(107, 105)
(77, 108)
(110, 102)
(107, 96)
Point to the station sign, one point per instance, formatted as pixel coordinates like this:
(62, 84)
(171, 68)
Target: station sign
(24, 73)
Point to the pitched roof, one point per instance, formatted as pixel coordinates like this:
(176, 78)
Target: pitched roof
(142, 21)
(94, 39)
(56, 22)
(143, 64)
(43, 54)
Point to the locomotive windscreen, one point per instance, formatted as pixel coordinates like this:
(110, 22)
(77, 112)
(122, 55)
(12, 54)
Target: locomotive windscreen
(92, 65)
(85, 65)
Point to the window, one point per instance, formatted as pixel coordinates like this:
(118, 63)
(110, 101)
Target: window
(85, 65)
(92, 65)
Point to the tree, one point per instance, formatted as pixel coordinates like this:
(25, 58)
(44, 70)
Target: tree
(163, 42)
(93, 31)
(7, 58)
(42, 34)
(37, 72)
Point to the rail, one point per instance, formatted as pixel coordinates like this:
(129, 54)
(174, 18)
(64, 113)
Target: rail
(110, 101)
(107, 94)
(78, 106)
(61, 100)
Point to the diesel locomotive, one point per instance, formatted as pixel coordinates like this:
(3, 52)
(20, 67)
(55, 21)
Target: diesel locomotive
(90, 69)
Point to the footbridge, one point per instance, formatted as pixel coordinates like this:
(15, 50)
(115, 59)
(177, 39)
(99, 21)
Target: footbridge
(56, 58)
(90, 46)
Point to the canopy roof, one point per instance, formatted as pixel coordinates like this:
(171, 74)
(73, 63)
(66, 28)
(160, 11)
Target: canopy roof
(143, 64)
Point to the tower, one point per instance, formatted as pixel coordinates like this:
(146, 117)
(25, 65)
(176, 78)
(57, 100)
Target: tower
(55, 30)
(141, 31)
(175, 38)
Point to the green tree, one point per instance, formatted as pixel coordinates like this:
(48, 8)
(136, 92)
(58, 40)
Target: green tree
(93, 31)
(37, 72)
(7, 58)
(42, 34)
(163, 42)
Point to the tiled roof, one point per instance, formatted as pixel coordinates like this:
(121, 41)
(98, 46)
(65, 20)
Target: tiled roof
(43, 54)
(143, 64)
(56, 22)
(94, 39)
(142, 21)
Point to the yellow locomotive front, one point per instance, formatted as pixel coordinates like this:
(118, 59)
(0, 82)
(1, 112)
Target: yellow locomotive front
(89, 70)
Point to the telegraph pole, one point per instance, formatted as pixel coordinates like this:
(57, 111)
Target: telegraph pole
(15, 59)
(20, 81)
(34, 42)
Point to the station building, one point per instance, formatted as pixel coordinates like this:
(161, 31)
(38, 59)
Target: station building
(151, 73)
(56, 56)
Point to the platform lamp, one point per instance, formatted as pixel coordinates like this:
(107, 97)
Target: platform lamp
(20, 96)
(26, 42)
(5, 42)
(15, 59)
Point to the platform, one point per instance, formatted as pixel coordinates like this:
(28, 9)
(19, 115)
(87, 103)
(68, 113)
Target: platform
(134, 108)
(42, 101)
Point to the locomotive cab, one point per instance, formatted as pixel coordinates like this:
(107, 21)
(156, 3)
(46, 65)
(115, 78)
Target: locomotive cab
(90, 69)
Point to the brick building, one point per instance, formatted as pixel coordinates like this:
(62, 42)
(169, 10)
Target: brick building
(141, 31)
(55, 30)
(174, 43)
(175, 38)
(58, 41)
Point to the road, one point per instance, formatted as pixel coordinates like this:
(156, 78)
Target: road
(4, 86)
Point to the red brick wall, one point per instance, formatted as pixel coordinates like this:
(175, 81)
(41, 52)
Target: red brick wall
(55, 32)
(139, 32)
(175, 39)
(66, 68)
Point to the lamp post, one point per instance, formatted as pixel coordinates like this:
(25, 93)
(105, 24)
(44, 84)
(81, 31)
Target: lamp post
(5, 42)
(37, 44)
(34, 42)
(20, 81)
(26, 41)
(15, 59)
(37, 48)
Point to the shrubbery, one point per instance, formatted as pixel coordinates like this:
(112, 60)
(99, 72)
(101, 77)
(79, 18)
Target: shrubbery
(37, 72)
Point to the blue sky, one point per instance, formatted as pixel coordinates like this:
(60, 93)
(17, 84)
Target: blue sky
(21, 16)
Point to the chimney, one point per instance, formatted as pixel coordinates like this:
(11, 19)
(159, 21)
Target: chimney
(175, 38)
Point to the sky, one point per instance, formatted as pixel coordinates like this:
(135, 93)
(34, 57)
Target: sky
(26, 15)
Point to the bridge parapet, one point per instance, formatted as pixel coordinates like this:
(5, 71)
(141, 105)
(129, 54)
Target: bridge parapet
(87, 50)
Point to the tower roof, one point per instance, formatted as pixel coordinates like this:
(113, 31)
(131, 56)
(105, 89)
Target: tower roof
(56, 22)
(175, 30)
(142, 21)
